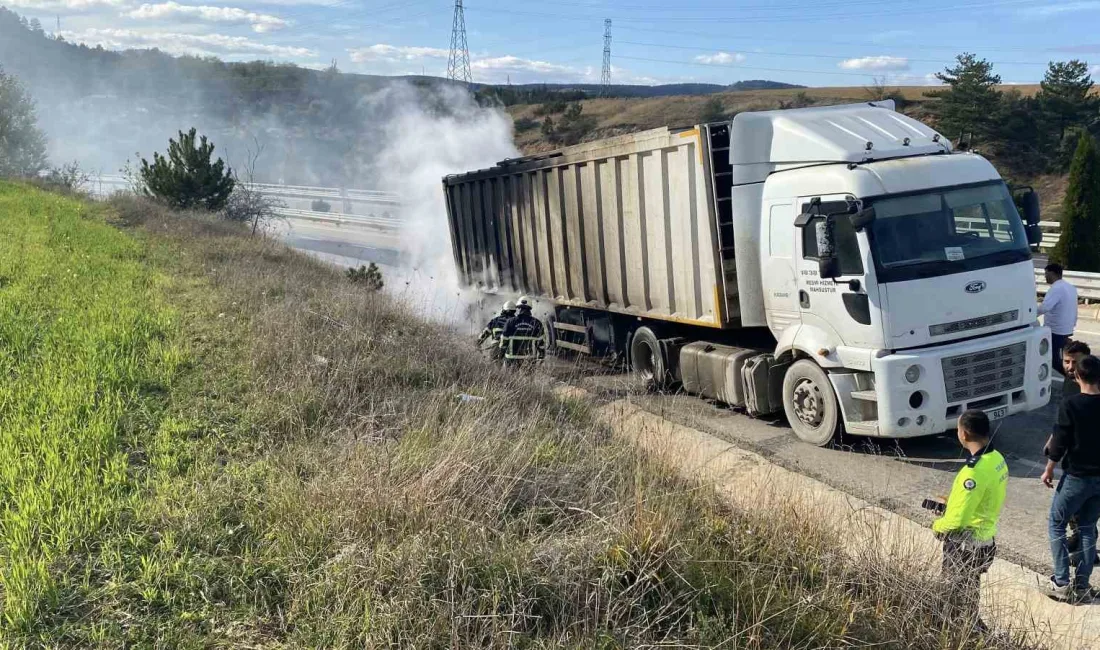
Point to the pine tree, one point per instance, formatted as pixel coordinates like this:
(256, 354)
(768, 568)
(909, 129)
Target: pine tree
(967, 106)
(1078, 248)
(187, 177)
(1065, 96)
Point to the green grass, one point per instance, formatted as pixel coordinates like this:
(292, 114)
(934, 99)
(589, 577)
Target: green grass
(248, 450)
(86, 352)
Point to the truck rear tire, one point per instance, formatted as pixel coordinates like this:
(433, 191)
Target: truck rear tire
(647, 359)
(810, 403)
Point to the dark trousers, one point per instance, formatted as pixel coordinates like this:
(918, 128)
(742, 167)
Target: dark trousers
(1057, 342)
(1080, 496)
(964, 562)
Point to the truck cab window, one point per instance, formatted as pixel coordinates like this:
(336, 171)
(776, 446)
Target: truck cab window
(847, 246)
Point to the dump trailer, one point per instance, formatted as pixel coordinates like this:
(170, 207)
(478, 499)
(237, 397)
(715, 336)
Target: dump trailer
(841, 264)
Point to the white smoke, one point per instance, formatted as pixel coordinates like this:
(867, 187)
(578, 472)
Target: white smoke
(429, 137)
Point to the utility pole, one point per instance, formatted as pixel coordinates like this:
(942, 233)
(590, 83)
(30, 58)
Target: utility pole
(458, 63)
(605, 76)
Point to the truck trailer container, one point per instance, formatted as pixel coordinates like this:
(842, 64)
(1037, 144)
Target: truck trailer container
(842, 264)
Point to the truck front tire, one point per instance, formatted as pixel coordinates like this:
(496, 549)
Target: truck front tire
(810, 403)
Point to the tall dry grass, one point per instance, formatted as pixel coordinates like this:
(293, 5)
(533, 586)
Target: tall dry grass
(319, 485)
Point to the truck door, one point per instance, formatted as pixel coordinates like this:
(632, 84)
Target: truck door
(780, 274)
(843, 307)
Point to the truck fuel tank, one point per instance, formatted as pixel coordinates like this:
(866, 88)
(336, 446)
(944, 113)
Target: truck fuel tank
(714, 371)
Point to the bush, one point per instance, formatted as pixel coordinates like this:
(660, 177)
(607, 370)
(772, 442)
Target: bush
(572, 127)
(551, 107)
(248, 206)
(187, 177)
(368, 276)
(524, 124)
(22, 143)
(320, 205)
(712, 111)
(1078, 246)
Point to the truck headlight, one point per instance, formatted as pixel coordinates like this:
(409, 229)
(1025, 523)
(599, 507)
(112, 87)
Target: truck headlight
(1044, 372)
(1044, 347)
(912, 374)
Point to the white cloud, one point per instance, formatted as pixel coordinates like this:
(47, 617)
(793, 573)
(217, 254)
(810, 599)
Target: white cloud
(929, 79)
(394, 53)
(1095, 71)
(875, 63)
(260, 23)
(1061, 8)
(720, 58)
(193, 44)
(514, 64)
(64, 5)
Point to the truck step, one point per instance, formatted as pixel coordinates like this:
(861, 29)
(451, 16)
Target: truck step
(569, 327)
(576, 347)
(865, 395)
(867, 428)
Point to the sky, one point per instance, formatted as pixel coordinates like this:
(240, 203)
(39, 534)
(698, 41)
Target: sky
(808, 42)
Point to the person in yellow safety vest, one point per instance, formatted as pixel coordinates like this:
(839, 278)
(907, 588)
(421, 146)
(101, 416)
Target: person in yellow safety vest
(969, 523)
(523, 336)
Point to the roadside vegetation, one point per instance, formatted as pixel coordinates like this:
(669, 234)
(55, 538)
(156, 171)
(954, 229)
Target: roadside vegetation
(212, 441)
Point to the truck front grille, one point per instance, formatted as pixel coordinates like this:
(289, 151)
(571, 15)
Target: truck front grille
(978, 374)
(974, 323)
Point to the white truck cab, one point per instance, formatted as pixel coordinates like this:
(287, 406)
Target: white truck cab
(923, 304)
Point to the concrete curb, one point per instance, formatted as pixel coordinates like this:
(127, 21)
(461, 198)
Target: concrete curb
(1010, 599)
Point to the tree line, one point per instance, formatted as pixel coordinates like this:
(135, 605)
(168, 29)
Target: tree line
(1026, 134)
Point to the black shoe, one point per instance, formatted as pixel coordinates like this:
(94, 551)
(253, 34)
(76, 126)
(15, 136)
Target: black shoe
(1085, 594)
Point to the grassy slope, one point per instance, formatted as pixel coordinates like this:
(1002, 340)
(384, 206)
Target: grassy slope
(283, 463)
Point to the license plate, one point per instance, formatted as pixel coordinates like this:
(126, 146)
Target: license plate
(997, 414)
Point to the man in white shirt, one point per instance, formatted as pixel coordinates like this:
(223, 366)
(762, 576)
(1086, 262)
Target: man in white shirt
(1059, 307)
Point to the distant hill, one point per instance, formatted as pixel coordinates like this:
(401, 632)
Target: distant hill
(660, 90)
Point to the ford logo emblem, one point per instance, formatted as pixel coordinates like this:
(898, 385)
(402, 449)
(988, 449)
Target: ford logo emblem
(977, 286)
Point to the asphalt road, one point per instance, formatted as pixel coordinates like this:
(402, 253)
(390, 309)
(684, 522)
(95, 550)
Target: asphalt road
(896, 475)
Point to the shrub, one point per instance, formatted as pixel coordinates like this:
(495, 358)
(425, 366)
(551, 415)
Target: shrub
(187, 177)
(1078, 247)
(524, 124)
(320, 205)
(22, 143)
(368, 276)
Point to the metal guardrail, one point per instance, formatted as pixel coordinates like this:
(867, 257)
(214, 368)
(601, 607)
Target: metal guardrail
(1088, 284)
(339, 219)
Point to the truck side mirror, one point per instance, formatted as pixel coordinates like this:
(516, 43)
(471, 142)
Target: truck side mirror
(1029, 200)
(828, 265)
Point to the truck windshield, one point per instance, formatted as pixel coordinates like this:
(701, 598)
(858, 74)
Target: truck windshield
(946, 231)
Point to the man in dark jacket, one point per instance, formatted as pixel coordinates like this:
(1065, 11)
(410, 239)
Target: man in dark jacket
(1076, 444)
(523, 336)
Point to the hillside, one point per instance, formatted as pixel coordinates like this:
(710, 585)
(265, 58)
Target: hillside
(212, 441)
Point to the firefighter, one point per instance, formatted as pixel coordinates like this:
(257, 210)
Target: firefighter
(969, 523)
(523, 338)
(495, 328)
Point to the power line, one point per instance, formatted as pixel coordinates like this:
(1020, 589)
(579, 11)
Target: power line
(801, 17)
(458, 62)
(605, 75)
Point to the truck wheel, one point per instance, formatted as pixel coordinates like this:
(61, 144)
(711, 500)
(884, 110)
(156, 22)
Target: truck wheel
(647, 360)
(810, 403)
